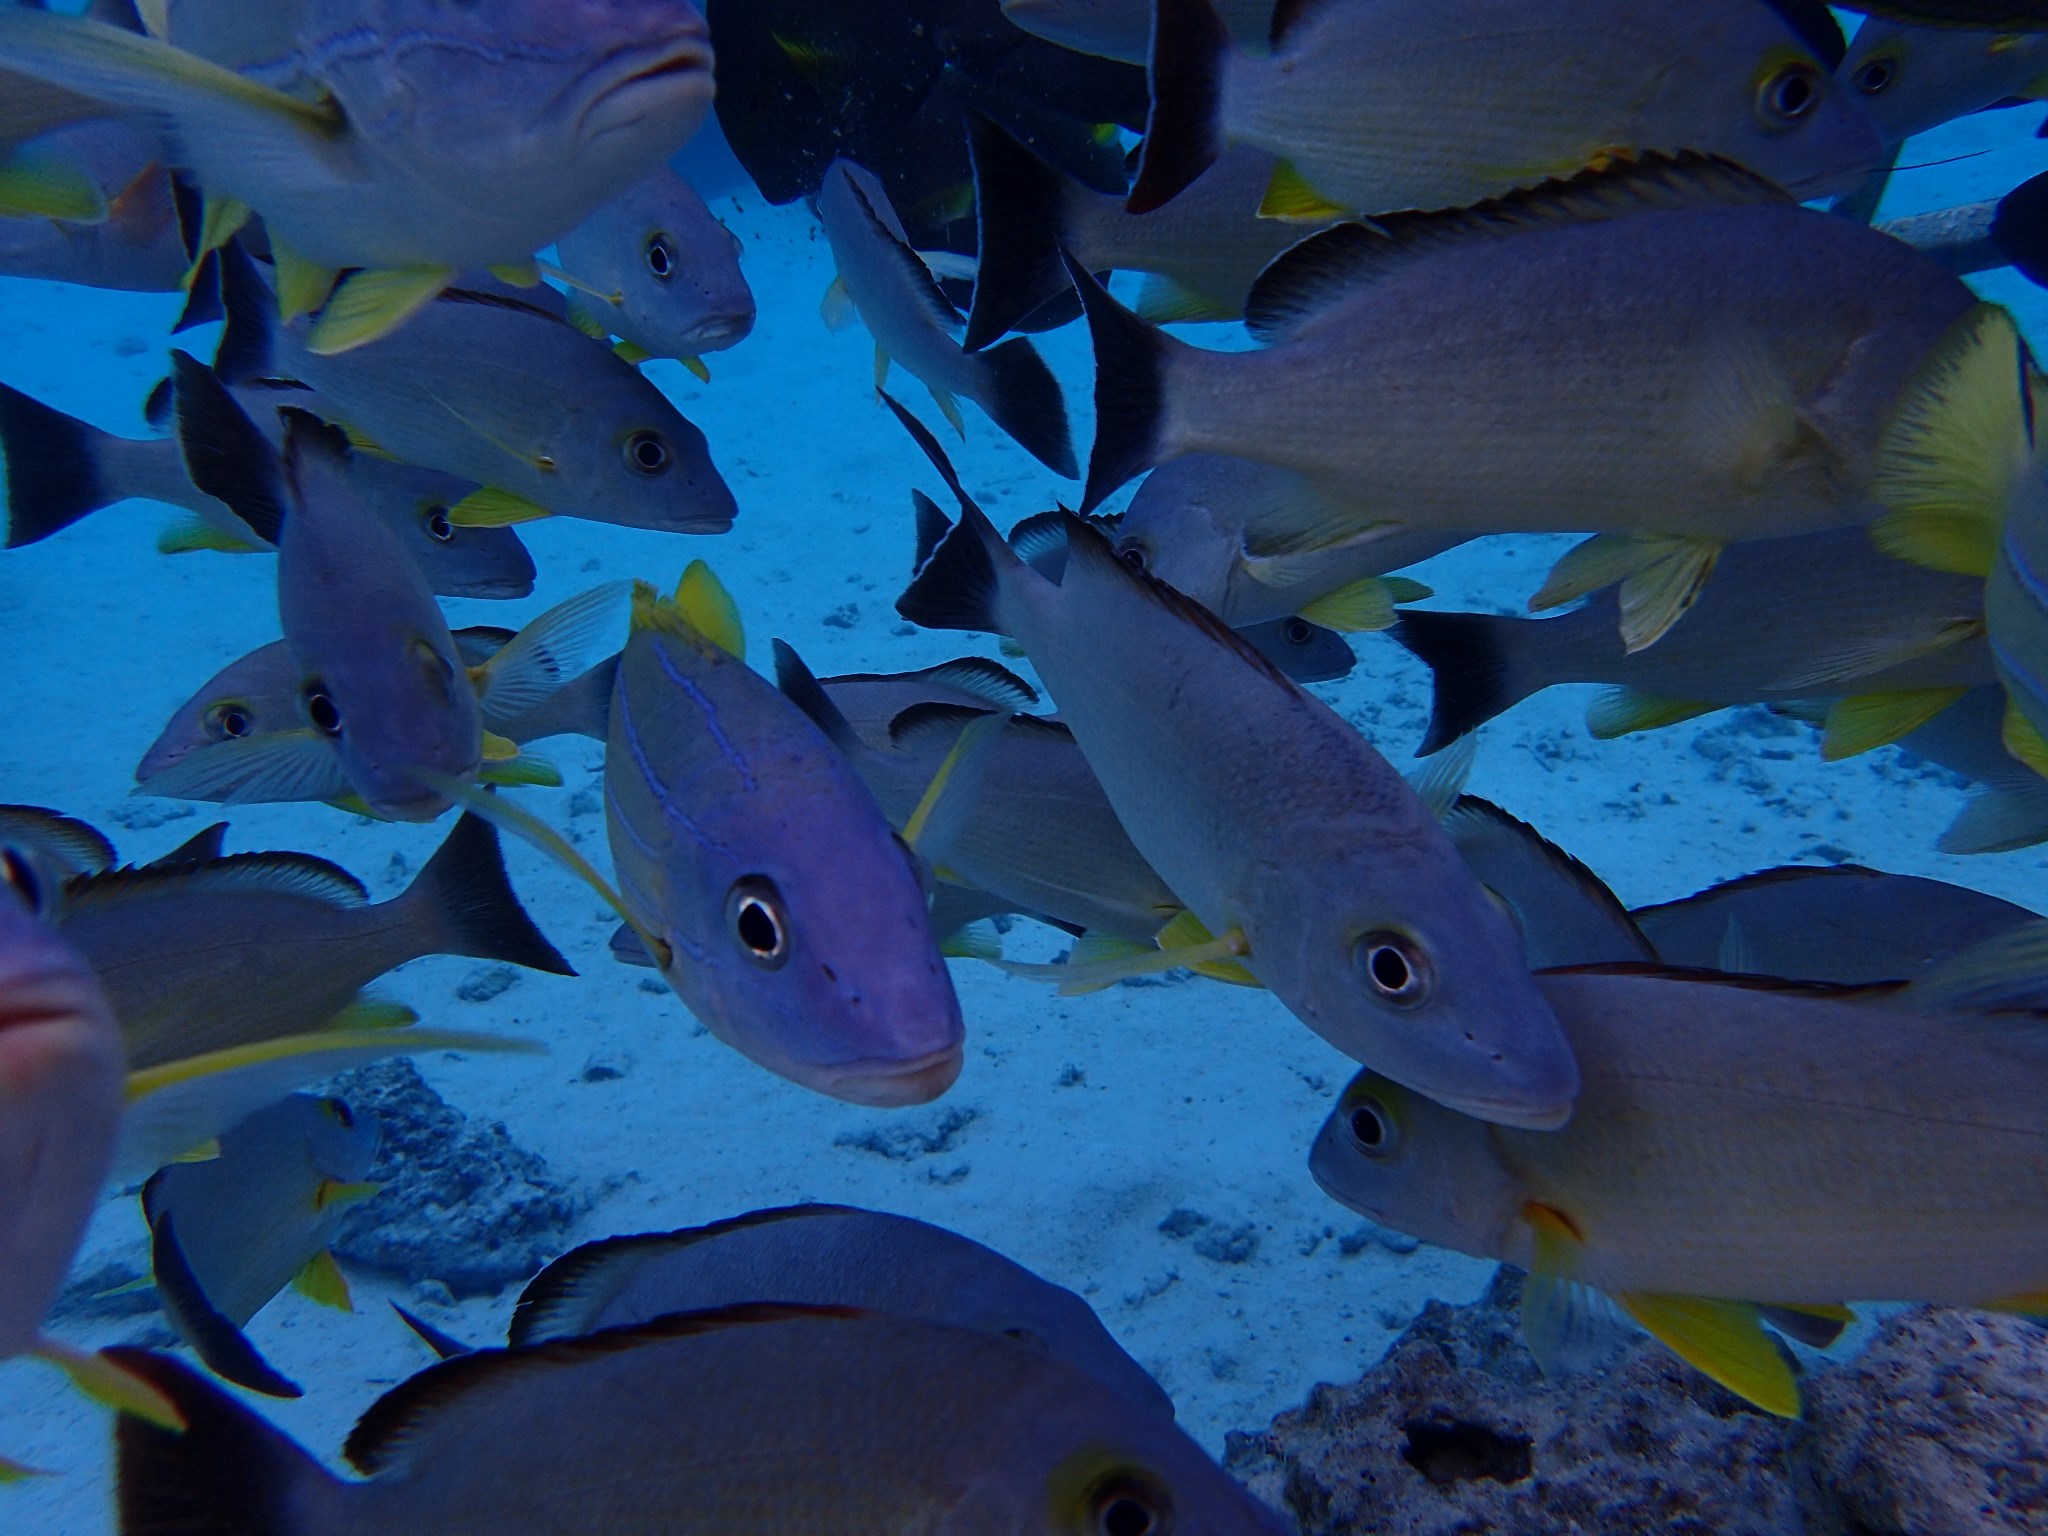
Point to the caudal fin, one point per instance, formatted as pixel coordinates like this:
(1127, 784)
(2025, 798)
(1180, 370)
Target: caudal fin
(1130, 358)
(1183, 135)
(478, 912)
(226, 453)
(54, 468)
(959, 587)
(228, 1474)
(1471, 668)
(248, 342)
(1020, 210)
(1024, 399)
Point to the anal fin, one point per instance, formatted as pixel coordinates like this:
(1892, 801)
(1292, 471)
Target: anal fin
(1862, 721)
(322, 1281)
(1723, 1340)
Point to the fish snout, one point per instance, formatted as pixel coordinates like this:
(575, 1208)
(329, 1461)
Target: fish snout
(891, 1084)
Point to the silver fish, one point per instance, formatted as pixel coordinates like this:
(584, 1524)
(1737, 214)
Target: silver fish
(1911, 79)
(669, 269)
(824, 1255)
(784, 911)
(202, 957)
(914, 324)
(1564, 912)
(229, 1233)
(134, 247)
(1277, 824)
(749, 1421)
(2011, 810)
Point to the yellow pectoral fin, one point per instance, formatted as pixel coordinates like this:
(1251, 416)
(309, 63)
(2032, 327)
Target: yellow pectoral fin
(1073, 980)
(371, 304)
(1291, 199)
(488, 507)
(1866, 720)
(698, 366)
(40, 187)
(627, 352)
(1186, 936)
(1723, 1340)
(1366, 604)
(322, 1281)
(302, 287)
(977, 941)
(105, 1382)
(2023, 741)
(333, 1193)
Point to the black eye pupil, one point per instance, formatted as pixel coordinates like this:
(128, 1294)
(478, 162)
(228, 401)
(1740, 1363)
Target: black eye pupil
(1389, 969)
(1366, 1128)
(659, 262)
(1125, 1517)
(1133, 556)
(1297, 632)
(321, 711)
(758, 929)
(438, 524)
(648, 452)
(1877, 74)
(1795, 95)
(344, 1114)
(234, 723)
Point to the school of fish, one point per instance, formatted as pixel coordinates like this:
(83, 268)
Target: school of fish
(1496, 268)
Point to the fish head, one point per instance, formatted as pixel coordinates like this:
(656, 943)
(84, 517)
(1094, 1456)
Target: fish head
(389, 712)
(633, 458)
(562, 102)
(253, 696)
(61, 1066)
(1413, 1166)
(1910, 79)
(1181, 530)
(676, 269)
(1421, 974)
(1758, 94)
(341, 1141)
(1306, 652)
(823, 969)
(457, 559)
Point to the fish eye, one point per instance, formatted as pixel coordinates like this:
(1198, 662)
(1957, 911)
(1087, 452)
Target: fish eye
(1395, 966)
(1876, 76)
(17, 873)
(1372, 1127)
(321, 711)
(1129, 1505)
(229, 721)
(754, 917)
(1133, 555)
(1296, 632)
(343, 1115)
(1790, 94)
(1027, 1337)
(647, 452)
(661, 257)
(439, 528)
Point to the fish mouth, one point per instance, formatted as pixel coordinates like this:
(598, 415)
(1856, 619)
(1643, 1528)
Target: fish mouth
(720, 331)
(626, 87)
(1515, 1114)
(885, 1084)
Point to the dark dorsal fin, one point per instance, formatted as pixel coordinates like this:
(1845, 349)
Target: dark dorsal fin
(559, 1294)
(922, 436)
(1814, 25)
(916, 275)
(80, 844)
(1087, 543)
(202, 847)
(800, 685)
(1287, 15)
(983, 679)
(381, 1436)
(1783, 874)
(1334, 264)
(1597, 891)
(292, 874)
(932, 526)
(931, 726)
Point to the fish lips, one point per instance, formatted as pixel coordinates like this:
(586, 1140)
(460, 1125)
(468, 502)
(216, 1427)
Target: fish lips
(626, 88)
(884, 1084)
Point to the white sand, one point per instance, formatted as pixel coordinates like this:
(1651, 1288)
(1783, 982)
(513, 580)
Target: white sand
(1191, 1096)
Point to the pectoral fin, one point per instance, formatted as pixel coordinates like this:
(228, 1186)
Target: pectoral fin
(836, 308)
(1866, 720)
(1624, 711)
(1291, 199)
(489, 507)
(1661, 575)
(302, 287)
(371, 304)
(1568, 1325)
(105, 1382)
(34, 186)
(1366, 604)
(322, 1281)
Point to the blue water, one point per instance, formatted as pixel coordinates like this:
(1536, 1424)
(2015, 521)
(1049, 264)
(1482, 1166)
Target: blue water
(1079, 1127)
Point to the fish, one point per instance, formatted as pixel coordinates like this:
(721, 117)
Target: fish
(1122, 29)
(1201, 253)
(871, 701)
(1564, 912)
(1965, 487)
(1911, 79)
(755, 869)
(1304, 652)
(1345, 899)
(1737, 1141)
(395, 151)
(1437, 372)
(824, 1255)
(501, 393)
(2011, 809)
(1839, 923)
(229, 1233)
(243, 737)
(1034, 828)
(914, 324)
(2009, 15)
(745, 1421)
(1349, 85)
(890, 87)
(1221, 530)
(53, 848)
(1814, 615)
(203, 957)
(134, 247)
(61, 469)
(656, 267)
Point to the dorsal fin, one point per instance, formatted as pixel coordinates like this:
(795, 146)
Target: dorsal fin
(801, 687)
(983, 679)
(931, 726)
(915, 274)
(922, 436)
(1334, 264)
(1745, 982)
(932, 526)
(289, 874)
(1041, 543)
(81, 844)
(563, 1293)
(381, 1437)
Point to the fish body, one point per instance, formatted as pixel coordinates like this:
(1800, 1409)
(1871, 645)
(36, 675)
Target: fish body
(135, 248)
(1816, 615)
(673, 267)
(1713, 371)
(1418, 104)
(1564, 912)
(415, 135)
(203, 957)
(60, 1103)
(380, 676)
(794, 922)
(1773, 1145)
(745, 1422)
(914, 324)
(824, 1255)
(502, 394)
(1911, 78)
(1832, 923)
(1271, 818)
(2011, 809)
